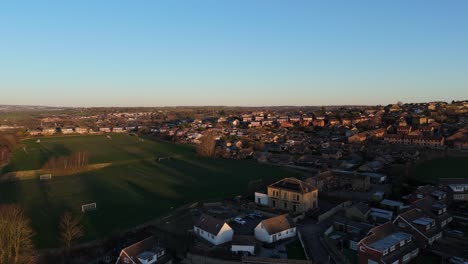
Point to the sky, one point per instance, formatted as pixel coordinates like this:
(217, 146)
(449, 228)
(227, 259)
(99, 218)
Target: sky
(238, 53)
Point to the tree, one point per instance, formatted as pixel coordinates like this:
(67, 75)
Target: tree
(207, 146)
(16, 234)
(70, 229)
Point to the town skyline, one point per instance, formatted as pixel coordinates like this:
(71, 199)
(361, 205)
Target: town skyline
(244, 53)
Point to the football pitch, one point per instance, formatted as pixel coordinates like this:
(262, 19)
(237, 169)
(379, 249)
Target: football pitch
(133, 189)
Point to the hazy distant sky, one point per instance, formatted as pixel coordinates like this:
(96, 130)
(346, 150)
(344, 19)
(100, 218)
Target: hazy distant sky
(222, 52)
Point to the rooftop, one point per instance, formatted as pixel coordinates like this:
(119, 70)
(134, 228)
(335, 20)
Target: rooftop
(293, 184)
(390, 240)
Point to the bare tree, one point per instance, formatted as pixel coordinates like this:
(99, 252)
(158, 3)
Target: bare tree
(16, 234)
(207, 146)
(70, 229)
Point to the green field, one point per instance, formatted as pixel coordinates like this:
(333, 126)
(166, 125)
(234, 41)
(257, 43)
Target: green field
(450, 167)
(135, 189)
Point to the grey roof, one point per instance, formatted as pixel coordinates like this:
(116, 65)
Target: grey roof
(391, 203)
(143, 249)
(293, 184)
(390, 240)
(423, 221)
(209, 224)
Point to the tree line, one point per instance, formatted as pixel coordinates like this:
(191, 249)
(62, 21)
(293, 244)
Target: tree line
(16, 235)
(69, 163)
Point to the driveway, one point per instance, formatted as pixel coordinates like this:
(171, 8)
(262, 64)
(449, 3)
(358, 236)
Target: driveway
(311, 232)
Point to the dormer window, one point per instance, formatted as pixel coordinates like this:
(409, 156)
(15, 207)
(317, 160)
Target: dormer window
(385, 252)
(392, 248)
(402, 243)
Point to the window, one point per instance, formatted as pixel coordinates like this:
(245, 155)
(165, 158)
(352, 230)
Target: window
(362, 248)
(126, 260)
(385, 252)
(401, 224)
(279, 234)
(402, 243)
(409, 240)
(286, 232)
(392, 248)
(285, 205)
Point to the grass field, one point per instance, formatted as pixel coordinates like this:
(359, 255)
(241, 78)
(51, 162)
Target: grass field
(450, 167)
(133, 190)
(295, 250)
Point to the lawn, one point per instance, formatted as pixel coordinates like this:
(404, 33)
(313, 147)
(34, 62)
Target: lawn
(295, 250)
(134, 190)
(450, 167)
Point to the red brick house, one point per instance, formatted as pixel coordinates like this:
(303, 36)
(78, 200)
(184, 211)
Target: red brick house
(387, 244)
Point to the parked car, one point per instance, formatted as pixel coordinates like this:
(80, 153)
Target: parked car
(239, 220)
(251, 216)
(257, 214)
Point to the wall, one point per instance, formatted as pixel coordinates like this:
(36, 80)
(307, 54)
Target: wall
(261, 199)
(262, 235)
(333, 211)
(225, 234)
(236, 248)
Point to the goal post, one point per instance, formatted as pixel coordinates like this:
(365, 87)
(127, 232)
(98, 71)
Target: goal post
(88, 207)
(45, 177)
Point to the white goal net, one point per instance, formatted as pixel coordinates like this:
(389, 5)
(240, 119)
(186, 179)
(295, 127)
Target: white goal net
(88, 207)
(45, 177)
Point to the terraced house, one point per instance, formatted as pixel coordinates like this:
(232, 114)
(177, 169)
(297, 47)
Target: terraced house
(293, 195)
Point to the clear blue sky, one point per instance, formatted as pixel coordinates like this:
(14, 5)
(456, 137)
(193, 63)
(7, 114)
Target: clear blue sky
(265, 52)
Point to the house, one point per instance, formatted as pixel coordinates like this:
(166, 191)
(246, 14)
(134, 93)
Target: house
(461, 144)
(349, 232)
(457, 188)
(105, 129)
(318, 122)
(244, 245)
(49, 131)
(35, 132)
(371, 166)
(146, 251)
(81, 130)
(338, 179)
(67, 130)
(404, 130)
(420, 225)
(331, 153)
(358, 138)
(274, 229)
(378, 215)
(213, 230)
(393, 205)
(434, 209)
(293, 195)
(118, 129)
(358, 211)
(387, 244)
